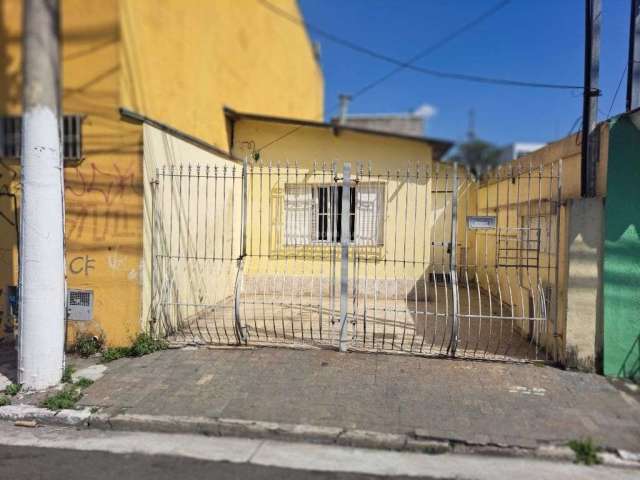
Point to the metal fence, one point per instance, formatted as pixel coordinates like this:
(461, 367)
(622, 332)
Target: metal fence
(420, 260)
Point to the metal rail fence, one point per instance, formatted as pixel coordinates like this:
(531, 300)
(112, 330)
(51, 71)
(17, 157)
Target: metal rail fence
(421, 260)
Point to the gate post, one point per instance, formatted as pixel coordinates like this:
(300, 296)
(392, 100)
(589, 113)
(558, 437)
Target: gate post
(345, 236)
(453, 269)
(154, 261)
(240, 331)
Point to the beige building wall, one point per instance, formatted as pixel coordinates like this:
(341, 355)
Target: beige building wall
(584, 285)
(180, 217)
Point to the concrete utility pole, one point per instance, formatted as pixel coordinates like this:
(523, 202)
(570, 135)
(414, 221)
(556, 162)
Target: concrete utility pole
(590, 138)
(633, 67)
(41, 314)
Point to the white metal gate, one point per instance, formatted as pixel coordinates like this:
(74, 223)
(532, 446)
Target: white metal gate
(420, 260)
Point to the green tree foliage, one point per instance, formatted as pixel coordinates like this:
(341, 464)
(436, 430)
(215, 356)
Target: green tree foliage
(478, 155)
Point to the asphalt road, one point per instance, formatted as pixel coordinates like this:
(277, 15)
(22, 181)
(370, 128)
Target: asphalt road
(32, 463)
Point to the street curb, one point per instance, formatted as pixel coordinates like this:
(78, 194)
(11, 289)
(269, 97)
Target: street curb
(228, 427)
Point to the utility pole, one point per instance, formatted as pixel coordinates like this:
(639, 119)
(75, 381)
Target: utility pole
(590, 135)
(344, 108)
(633, 67)
(41, 293)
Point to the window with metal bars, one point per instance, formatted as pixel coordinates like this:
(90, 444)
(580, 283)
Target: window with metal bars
(313, 214)
(11, 137)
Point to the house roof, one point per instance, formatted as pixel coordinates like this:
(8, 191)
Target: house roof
(135, 117)
(440, 147)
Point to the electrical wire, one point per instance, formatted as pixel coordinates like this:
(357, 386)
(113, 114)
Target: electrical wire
(615, 95)
(427, 71)
(433, 47)
(574, 125)
(420, 55)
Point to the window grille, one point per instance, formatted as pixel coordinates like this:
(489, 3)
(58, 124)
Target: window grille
(11, 137)
(313, 214)
(518, 247)
(521, 246)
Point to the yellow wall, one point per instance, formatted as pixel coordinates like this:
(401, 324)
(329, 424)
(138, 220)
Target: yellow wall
(414, 211)
(545, 181)
(316, 144)
(102, 194)
(183, 62)
(180, 63)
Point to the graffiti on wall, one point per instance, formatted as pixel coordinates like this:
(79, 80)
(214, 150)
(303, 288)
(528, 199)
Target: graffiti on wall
(82, 265)
(99, 202)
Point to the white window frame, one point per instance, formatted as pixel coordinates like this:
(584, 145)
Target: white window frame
(302, 215)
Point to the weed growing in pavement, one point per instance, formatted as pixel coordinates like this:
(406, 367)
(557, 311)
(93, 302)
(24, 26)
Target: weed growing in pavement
(87, 345)
(144, 344)
(12, 389)
(114, 353)
(4, 400)
(70, 394)
(586, 451)
(67, 398)
(84, 382)
(68, 373)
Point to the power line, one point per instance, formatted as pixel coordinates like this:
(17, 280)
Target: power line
(615, 95)
(423, 53)
(433, 47)
(575, 124)
(426, 71)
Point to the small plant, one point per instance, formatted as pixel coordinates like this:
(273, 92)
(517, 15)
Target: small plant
(84, 382)
(67, 374)
(4, 400)
(586, 451)
(87, 345)
(12, 389)
(114, 353)
(145, 344)
(94, 409)
(67, 398)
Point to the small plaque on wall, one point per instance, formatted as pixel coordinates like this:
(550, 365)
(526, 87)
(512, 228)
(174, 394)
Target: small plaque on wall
(481, 223)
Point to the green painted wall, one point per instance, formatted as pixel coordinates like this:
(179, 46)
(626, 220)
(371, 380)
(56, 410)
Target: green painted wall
(622, 251)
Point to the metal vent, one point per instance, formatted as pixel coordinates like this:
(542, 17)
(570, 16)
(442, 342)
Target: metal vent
(80, 305)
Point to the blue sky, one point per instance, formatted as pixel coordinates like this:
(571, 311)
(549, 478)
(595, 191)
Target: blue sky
(536, 40)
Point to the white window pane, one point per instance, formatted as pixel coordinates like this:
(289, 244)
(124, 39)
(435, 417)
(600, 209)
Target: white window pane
(299, 212)
(368, 221)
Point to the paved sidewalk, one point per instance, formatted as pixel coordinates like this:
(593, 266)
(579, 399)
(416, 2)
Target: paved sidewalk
(480, 403)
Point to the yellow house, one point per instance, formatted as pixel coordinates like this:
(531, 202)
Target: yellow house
(435, 261)
(207, 224)
(179, 62)
(215, 242)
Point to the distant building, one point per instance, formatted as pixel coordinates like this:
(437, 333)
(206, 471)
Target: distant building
(516, 150)
(402, 123)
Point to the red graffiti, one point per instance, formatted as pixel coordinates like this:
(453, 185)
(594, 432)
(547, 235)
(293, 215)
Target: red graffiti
(111, 185)
(110, 216)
